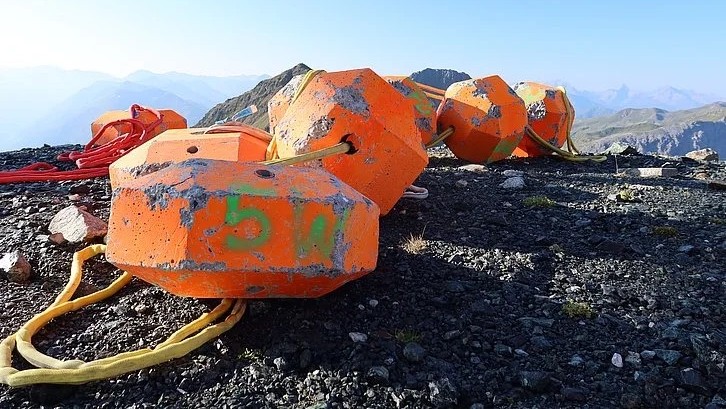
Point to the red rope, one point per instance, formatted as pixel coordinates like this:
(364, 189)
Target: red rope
(92, 161)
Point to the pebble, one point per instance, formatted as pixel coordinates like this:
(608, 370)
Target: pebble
(16, 267)
(473, 168)
(513, 183)
(512, 173)
(668, 356)
(576, 360)
(414, 352)
(449, 335)
(617, 360)
(378, 374)
(461, 183)
(536, 381)
(442, 393)
(358, 337)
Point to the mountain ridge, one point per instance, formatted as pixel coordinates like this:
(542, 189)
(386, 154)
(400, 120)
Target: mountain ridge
(654, 130)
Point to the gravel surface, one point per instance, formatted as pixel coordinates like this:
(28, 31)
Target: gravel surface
(581, 288)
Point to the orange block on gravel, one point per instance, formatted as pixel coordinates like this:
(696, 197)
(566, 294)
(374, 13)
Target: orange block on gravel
(550, 115)
(487, 116)
(169, 120)
(360, 107)
(242, 143)
(214, 229)
(424, 112)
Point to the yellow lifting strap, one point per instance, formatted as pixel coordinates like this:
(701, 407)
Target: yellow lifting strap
(272, 153)
(55, 371)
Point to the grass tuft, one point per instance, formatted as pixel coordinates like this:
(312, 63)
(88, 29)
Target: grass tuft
(538, 201)
(407, 335)
(665, 231)
(577, 309)
(415, 244)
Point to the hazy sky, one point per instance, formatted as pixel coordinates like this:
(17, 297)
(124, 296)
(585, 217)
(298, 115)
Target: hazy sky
(593, 44)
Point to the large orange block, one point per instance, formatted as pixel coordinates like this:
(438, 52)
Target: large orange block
(487, 116)
(550, 115)
(210, 228)
(169, 120)
(424, 112)
(241, 143)
(359, 107)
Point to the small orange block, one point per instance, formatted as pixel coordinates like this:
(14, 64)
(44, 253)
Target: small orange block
(487, 116)
(548, 114)
(357, 106)
(169, 120)
(214, 229)
(247, 144)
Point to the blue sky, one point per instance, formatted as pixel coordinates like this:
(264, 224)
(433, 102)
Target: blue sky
(589, 44)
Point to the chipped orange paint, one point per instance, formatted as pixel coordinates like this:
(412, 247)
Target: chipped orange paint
(169, 120)
(248, 144)
(360, 107)
(424, 112)
(487, 116)
(213, 229)
(547, 112)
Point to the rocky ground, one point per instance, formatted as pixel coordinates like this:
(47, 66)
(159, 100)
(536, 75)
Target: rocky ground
(582, 289)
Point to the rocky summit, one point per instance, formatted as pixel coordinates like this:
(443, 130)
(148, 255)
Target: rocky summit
(580, 287)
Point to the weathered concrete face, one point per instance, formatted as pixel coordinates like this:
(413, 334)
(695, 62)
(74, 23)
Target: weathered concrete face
(214, 229)
(547, 111)
(423, 111)
(178, 145)
(487, 116)
(280, 102)
(169, 120)
(360, 107)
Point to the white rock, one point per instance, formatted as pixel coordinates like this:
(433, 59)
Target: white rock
(16, 266)
(516, 182)
(707, 154)
(617, 360)
(358, 336)
(373, 303)
(473, 168)
(461, 183)
(77, 225)
(510, 173)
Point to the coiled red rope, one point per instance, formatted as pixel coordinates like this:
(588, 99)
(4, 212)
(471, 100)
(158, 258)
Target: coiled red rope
(92, 161)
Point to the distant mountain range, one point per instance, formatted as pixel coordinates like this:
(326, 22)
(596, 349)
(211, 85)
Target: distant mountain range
(55, 106)
(589, 104)
(51, 105)
(655, 130)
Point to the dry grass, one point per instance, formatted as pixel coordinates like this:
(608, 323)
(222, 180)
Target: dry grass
(577, 309)
(538, 201)
(665, 231)
(407, 335)
(415, 244)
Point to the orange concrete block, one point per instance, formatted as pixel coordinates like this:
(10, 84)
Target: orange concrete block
(547, 110)
(424, 112)
(357, 106)
(214, 229)
(487, 116)
(170, 120)
(241, 143)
